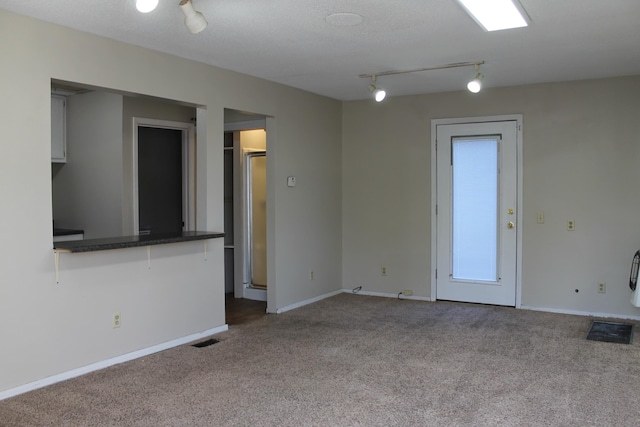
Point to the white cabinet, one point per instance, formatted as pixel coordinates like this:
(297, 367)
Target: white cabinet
(58, 129)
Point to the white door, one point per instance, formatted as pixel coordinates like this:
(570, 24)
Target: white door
(477, 218)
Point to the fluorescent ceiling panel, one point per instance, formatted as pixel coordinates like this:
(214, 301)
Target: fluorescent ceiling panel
(493, 15)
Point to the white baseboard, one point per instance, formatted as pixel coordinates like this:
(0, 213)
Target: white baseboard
(109, 362)
(386, 295)
(580, 313)
(255, 294)
(522, 307)
(308, 301)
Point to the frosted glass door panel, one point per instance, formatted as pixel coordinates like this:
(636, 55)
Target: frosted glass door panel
(475, 209)
(258, 172)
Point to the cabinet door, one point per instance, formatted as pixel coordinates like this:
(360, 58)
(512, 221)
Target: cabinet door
(58, 129)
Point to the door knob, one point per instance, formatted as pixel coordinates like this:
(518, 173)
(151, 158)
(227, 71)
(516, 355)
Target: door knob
(510, 224)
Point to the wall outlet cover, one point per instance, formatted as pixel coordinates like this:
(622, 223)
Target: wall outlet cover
(117, 320)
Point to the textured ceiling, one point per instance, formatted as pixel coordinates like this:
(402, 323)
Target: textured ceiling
(289, 41)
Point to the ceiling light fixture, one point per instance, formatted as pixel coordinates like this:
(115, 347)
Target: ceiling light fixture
(373, 89)
(475, 85)
(378, 94)
(193, 19)
(496, 14)
(146, 6)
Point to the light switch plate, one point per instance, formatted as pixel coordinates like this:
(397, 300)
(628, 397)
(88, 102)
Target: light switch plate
(291, 181)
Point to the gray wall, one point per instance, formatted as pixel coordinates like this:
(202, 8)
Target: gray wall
(183, 292)
(581, 151)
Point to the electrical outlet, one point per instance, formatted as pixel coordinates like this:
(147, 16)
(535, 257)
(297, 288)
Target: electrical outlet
(571, 225)
(312, 275)
(602, 288)
(540, 217)
(117, 320)
(383, 271)
(407, 292)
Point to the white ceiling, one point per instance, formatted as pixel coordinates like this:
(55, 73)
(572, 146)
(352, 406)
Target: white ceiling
(289, 41)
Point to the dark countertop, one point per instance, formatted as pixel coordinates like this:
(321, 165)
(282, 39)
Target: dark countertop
(133, 241)
(66, 232)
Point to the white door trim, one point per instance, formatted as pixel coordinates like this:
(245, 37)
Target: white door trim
(188, 169)
(464, 120)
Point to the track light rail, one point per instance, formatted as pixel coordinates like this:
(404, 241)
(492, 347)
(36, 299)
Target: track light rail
(419, 70)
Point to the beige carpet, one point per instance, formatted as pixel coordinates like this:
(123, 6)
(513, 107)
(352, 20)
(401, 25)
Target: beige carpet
(363, 361)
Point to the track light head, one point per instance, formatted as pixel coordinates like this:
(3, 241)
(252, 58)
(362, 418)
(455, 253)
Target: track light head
(146, 6)
(378, 94)
(475, 85)
(194, 20)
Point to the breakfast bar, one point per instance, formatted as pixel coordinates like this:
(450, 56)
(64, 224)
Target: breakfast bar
(124, 242)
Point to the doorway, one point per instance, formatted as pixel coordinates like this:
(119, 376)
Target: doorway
(477, 208)
(249, 272)
(159, 180)
(163, 176)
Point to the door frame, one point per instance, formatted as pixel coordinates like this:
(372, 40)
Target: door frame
(188, 169)
(268, 123)
(434, 193)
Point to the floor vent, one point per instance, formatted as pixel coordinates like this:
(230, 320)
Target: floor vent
(619, 333)
(206, 343)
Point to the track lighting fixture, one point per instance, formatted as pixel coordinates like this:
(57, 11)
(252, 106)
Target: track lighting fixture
(378, 94)
(146, 6)
(193, 19)
(474, 85)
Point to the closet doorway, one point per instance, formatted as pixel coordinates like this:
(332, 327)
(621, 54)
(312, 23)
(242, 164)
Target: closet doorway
(246, 207)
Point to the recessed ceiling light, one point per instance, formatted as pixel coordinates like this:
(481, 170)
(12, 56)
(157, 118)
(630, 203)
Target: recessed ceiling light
(344, 19)
(496, 14)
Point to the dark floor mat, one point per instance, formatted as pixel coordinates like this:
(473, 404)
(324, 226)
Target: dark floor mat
(619, 333)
